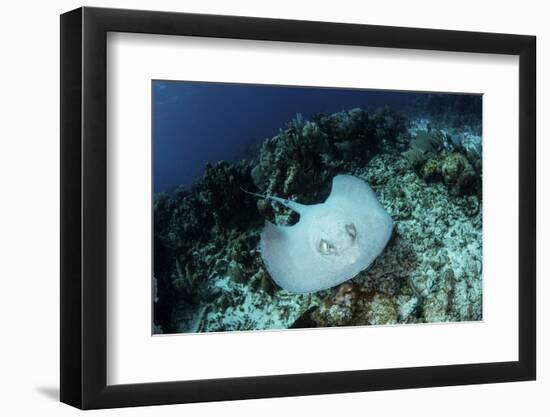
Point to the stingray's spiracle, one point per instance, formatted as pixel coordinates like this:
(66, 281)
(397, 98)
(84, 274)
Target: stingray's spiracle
(352, 231)
(326, 248)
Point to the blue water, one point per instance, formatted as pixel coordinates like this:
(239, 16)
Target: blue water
(195, 123)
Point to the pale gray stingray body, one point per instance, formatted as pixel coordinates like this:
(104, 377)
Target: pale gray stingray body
(331, 243)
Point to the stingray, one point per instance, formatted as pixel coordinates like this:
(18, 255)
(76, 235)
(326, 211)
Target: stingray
(331, 243)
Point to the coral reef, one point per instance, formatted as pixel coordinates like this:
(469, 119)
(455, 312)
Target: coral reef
(300, 162)
(454, 169)
(423, 146)
(208, 272)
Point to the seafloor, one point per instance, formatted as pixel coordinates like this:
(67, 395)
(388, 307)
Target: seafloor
(208, 272)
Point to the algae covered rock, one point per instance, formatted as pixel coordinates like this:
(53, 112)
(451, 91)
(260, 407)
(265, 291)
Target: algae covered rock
(454, 170)
(382, 310)
(292, 160)
(458, 174)
(331, 314)
(431, 170)
(436, 307)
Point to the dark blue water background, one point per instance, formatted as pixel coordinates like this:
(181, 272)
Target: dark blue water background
(195, 122)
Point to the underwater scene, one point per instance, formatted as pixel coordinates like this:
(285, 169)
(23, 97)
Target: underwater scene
(282, 207)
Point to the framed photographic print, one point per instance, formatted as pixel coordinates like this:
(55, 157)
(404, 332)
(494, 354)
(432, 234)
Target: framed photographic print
(258, 207)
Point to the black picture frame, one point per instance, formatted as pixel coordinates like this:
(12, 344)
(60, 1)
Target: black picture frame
(84, 207)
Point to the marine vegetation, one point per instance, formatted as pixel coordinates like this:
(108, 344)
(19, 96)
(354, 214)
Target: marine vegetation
(209, 239)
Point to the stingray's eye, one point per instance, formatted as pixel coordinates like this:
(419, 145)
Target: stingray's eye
(352, 232)
(325, 247)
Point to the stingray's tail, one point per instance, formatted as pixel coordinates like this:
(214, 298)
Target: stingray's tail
(297, 207)
(254, 194)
